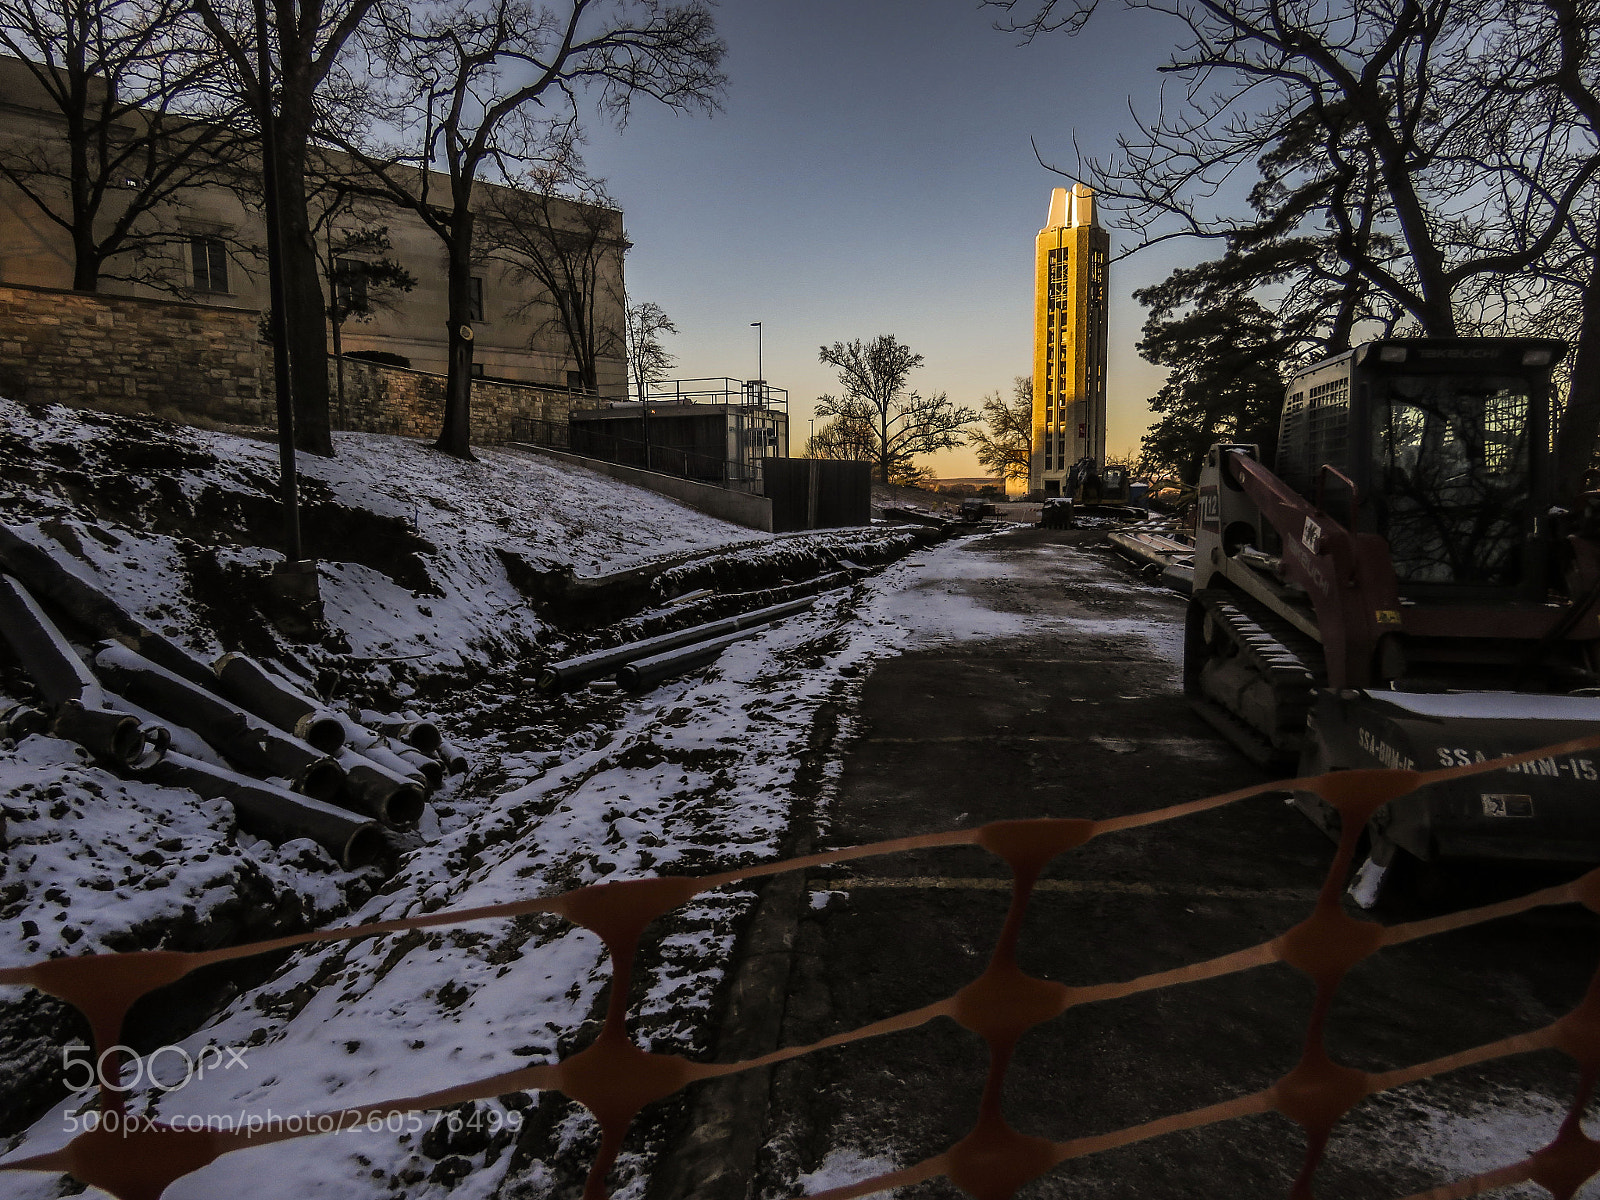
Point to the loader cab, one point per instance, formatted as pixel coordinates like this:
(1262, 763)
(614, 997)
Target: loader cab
(1439, 446)
(1090, 483)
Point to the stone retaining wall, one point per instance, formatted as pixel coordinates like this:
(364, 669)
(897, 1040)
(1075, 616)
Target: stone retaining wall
(205, 363)
(162, 357)
(384, 399)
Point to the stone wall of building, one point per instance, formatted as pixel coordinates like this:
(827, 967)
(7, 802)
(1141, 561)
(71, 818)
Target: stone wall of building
(384, 399)
(162, 357)
(203, 363)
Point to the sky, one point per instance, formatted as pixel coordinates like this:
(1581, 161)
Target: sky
(871, 172)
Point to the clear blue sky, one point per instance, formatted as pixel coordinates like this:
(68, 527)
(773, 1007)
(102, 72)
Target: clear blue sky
(871, 172)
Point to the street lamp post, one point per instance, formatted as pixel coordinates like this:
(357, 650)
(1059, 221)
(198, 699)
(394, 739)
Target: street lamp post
(761, 380)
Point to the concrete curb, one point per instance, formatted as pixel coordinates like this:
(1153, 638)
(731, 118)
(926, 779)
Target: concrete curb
(727, 1118)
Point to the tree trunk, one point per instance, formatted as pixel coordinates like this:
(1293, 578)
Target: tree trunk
(304, 306)
(883, 445)
(338, 370)
(1436, 310)
(456, 435)
(1580, 424)
(85, 261)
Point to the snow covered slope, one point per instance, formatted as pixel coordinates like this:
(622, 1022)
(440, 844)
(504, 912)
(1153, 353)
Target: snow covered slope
(174, 520)
(178, 525)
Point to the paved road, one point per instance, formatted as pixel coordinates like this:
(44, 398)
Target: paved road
(1083, 718)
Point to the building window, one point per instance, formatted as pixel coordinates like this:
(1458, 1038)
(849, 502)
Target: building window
(209, 259)
(1060, 277)
(478, 370)
(575, 381)
(475, 298)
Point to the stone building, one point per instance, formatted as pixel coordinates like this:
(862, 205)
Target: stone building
(217, 260)
(1069, 340)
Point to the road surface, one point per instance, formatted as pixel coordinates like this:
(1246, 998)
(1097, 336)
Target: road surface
(1074, 711)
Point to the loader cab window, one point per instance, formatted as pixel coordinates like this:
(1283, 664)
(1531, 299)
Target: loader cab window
(1452, 476)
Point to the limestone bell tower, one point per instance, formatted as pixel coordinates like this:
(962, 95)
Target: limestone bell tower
(1069, 339)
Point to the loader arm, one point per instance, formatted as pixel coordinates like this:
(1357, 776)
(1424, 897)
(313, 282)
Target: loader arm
(1350, 581)
(1348, 577)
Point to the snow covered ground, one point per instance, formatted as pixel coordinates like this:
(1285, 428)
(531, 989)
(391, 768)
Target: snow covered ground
(159, 516)
(412, 534)
(699, 774)
(695, 775)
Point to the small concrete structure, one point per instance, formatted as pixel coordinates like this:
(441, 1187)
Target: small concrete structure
(716, 431)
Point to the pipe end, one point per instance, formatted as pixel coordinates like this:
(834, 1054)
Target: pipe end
(325, 734)
(365, 847)
(424, 736)
(322, 780)
(402, 808)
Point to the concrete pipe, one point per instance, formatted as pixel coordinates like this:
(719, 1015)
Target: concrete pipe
(240, 737)
(81, 710)
(384, 756)
(645, 672)
(431, 769)
(276, 814)
(372, 788)
(21, 720)
(46, 656)
(114, 738)
(91, 607)
(574, 672)
(419, 734)
(250, 685)
(452, 757)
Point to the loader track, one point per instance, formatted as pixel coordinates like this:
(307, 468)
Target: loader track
(1251, 673)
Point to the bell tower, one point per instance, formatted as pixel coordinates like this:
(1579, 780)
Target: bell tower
(1069, 339)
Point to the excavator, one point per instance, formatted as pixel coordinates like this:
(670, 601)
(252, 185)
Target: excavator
(1400, 588)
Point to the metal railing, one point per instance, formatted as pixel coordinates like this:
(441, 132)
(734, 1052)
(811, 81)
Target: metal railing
(732, 393)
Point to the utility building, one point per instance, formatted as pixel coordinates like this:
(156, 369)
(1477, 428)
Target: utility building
(1069, 340)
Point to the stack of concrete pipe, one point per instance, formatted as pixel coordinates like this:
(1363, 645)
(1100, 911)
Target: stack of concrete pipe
(242, 726)
(642, 664)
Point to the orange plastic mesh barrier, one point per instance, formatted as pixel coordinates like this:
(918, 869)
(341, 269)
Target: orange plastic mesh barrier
(614, 1079)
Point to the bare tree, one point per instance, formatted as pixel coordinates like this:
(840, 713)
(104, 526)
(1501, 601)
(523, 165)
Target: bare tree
(309, 37)
(853, 439)
(849, 439)
(1005, 447)
(478, 84)
(562, 232)
(141, 124)
(1557, 96)
(1422, 162)
(903, 423)
(361, 276)
(648, 360)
